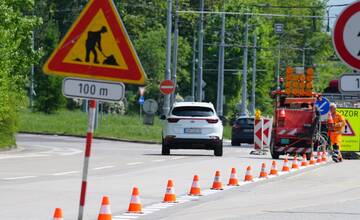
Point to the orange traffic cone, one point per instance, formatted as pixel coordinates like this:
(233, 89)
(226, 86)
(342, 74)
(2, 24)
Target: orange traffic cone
(295, 163)
(312, 159)
(135, 203)
(233, 181)
(248, 175)
(217, 185)
(304, 162)
(58, 214)
(319, 157)
(285, 167)
(273, 170)
(170, 196)
(105, 212)
(263, 173)
(195, 187)
(324, 158)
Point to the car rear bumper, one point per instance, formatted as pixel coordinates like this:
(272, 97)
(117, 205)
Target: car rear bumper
(243, 137)
(191, 143)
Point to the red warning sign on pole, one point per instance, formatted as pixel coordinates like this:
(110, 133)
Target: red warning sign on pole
(346, 36)
(167, 87)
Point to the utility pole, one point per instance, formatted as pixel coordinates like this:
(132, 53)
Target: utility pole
(220, 93)
(193, 69)
(166, 107)
(31, 87)
(253, 90)
(175, 52)
(200, 55)
(244, 80)
(279, 30)
(303, 57)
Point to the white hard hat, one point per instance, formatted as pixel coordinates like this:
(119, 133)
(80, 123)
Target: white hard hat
(333, 105)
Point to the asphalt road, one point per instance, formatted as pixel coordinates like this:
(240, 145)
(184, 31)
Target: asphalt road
(45, 172)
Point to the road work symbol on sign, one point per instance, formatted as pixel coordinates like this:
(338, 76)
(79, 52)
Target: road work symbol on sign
(348, 131)
(97, 47)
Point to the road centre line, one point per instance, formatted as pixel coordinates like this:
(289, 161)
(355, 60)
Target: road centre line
(104, 167)
(134, 163)
(19, 177)
(158, 160)
(177, 158)
(64, 173)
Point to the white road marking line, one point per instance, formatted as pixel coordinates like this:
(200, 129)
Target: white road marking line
(64, 173)
(104, 167)
(177, 158)
(134, 163)
(124, 217)
(19, 177)
(159, 160)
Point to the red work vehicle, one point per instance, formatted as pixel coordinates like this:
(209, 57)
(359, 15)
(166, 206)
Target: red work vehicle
(296, 126)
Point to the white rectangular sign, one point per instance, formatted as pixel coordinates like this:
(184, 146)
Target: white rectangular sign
(350, 83)
(93, 89)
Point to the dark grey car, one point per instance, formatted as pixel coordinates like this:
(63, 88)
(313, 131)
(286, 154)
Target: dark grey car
(242, 131)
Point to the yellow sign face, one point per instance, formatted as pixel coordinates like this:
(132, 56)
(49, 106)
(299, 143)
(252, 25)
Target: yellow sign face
(97, 46)
(351, 135)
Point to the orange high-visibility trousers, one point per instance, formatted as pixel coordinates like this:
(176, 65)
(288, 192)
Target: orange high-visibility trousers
(336, 138)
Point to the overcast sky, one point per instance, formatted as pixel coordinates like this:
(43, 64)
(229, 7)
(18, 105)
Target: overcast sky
(334, 11)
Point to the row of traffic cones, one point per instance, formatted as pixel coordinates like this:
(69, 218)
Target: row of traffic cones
(170, 196)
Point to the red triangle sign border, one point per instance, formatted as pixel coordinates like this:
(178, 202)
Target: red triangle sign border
(133, 75)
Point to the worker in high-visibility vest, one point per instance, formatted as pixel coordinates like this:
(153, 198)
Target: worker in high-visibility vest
(336, 124)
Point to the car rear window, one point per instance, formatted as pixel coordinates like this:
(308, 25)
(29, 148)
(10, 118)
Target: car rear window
(193, 111)
(245, 121)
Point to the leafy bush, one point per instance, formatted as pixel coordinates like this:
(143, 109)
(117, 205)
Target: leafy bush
(16, 57)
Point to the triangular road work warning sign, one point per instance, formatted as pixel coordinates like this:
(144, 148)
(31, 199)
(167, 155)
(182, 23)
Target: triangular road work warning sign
(348, 130)
(97, 46)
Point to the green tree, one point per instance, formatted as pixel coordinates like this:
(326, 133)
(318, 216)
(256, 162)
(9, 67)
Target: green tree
(15, 60)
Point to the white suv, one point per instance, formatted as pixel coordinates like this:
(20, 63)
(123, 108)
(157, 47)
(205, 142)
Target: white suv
(192, 125)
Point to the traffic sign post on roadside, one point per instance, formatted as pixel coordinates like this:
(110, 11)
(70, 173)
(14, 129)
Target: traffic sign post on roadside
(97, 46)
(93, 89)
(346, 36)
(167, 87)
(323, 105)
(350, 83)
(150, 107)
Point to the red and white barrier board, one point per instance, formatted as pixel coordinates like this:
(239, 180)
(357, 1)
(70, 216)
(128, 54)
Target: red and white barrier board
(267, 130)
(258, 134)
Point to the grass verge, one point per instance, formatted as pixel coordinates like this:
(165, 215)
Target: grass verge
(110, 126)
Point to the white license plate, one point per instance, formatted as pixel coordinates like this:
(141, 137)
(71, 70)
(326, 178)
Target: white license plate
(192, 131)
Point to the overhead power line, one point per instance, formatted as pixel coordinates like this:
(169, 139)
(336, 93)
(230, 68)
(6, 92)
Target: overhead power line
(257, 14)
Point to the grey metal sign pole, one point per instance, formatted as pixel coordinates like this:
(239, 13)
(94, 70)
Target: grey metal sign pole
(253, 90)
(220, 94)
(200, 55)
(166, 107)
(175, 52)
(245, 60)
(193, 72)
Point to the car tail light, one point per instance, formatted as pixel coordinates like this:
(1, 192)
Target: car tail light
(282, 113)
(173, 120)
(212, 121)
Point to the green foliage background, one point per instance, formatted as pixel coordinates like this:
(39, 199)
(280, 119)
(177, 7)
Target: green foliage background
(15, 60)
(145, 21)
